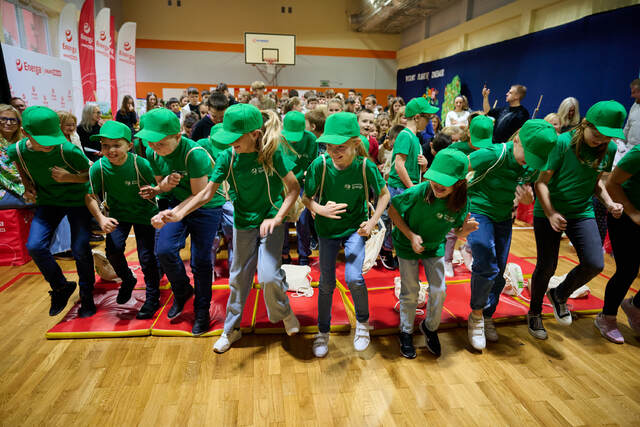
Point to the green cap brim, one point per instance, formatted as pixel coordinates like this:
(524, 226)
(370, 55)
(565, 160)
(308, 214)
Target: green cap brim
(611, 132)
(334, 139)
(432, 109)
(225, 137)
(293, 136)
(482, 143)
(440, 178)
(150, 135)
(48, 140)
(104, 135)
(533, 160)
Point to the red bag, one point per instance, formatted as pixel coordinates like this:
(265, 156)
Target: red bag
(525, 213)
(14, 231)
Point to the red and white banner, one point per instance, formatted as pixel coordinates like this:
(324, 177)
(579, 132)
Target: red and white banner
(87, 52)
(103, 77)
(112, 68)
(68, 39)
(126, 60)
(39, 79)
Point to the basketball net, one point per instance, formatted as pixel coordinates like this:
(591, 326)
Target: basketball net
(269, 71)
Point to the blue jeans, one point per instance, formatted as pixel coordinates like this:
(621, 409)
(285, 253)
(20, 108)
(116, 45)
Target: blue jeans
(354, 258)
(145, 241)
(490, 245)
(43, 226)
(410, 288)
(388, 243)
(226, 227)
(583, 234)
(202, 225)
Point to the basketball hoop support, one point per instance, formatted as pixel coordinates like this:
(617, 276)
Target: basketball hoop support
(269, 72)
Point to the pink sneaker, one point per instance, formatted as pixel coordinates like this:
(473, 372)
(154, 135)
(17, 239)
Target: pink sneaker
(608, 327)
(633, 314)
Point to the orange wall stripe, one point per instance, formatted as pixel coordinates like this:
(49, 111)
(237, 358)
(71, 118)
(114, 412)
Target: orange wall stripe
(239, 47)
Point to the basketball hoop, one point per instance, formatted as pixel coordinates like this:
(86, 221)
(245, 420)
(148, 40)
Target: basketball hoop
(269, 53)
(269, 71)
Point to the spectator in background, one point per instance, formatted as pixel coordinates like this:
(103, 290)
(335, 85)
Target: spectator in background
(189, 120)
(459, 116)
(396, 104)
(204, 95)
(152, 101)
(174, 105)
(192, 106)
(18, 104)
(217, 103)
(261, 101)
(244, 97)
(569, 113)
(350, 105)
(554, 119)
(224, 89)
(390, 98)
(68, 125)
(127, 113)
(293, 92)
(371, 104)
(632, 128)
(294, 104)
(184, 100)
(508, 119)
(11, 188)
(334, 105)
(90, 124)
(202, 109)
(312, 102)
(314, 121)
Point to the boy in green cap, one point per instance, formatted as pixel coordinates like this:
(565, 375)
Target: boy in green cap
(255, 167)
(182, 168)
(340, 183)
(498, 172)
(565, 188)
(54, 171)
(115, 181)
(300, 147)
(423, 214)
(407, 161)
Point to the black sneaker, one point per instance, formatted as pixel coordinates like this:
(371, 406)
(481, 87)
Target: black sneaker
(178, 303)
(201, 324)
(64, 256)
(433, 342)
(536, 328)
(87, 307)
(387, 259)
(60, 297)
(124, 294)
(148, 309)
(560, 310)
(406, 345)
(313, 244)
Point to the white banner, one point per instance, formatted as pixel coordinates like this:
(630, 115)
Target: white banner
(103, 76)
(68, 39)
(39, 79)
(126, 60)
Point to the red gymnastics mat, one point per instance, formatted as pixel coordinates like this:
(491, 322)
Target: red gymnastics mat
(587, 305)
(306, 310)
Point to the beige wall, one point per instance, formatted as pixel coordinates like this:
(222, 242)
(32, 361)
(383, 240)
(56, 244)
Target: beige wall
(513, 20)
(322, 23)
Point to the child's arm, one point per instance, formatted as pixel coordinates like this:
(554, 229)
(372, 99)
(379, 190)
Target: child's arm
(468, 226)
(330, 210)
(62, 175)
(29, 195)
(402, 170)
(165, 184)
(106, 224)
(187, 206)
(383, 200)
(558, 223)
(293, 189)
(615, 190)
(602, 194)
(398, 221)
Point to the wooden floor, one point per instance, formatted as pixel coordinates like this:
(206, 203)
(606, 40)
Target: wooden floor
(575, 377)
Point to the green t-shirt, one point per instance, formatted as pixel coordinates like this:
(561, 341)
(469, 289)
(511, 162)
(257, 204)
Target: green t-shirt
(406, 143)
(431, 221)
(252, 204)
(224, 190)
(342, 186)
(198, 165)
(493, 195)
(462, 146)
(159, 166)
(39, 164)
(574, 181)
(306, 151)
(630, 163)
(120, 186)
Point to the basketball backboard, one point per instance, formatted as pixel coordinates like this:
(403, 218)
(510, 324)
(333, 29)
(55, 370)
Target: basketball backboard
(278, 49)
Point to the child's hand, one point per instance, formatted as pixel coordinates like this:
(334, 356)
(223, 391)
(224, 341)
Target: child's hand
(108, 224)
(366, 228)
(423, 162)
(148, 192)
(158, 221)
(332, 210)
(469, 226)
(416, 244)
(524, 194)
(29, 196)
(60, 175)
(268, 225)
(557, 221)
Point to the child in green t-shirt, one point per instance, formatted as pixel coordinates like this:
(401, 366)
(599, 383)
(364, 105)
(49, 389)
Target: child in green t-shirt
(341, 182)
(256, 171)
(54, 172)
(115, 181)
(423, 214)
(565, 189)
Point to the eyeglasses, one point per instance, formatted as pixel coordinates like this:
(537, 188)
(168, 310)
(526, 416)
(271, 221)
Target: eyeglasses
(8, 120)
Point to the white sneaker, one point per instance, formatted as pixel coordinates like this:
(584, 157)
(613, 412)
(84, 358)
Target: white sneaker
(467, 257)
(490, 332)
(361, 337)
(291, 324)
(224, 342)
(475, 331)
(448, 269)
(321, 345)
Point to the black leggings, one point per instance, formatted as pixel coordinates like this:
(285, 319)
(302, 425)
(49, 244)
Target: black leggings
(624, 235)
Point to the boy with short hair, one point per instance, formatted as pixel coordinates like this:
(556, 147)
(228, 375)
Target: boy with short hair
(192, 106)
(261, 101)
(174, 105)
(217, 103)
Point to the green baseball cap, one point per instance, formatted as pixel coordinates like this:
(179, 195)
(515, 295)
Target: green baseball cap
(293, 126)
(239, 119)
(114, 130)
(448, 167)
(215, 130)
(417, 106)
(538, 138)
(608, 117)
(339, 128)
(43, 125)
(157, 124)
(481, 132)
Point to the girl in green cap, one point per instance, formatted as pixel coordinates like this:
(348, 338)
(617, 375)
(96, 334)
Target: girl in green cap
(336, 190)
(254, 168)
(570, 178)
(423, 214)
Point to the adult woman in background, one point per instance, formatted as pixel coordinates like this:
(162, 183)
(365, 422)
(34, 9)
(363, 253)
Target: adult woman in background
(569, 112)
(11, 188)
(68, 124)
(90, 124)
